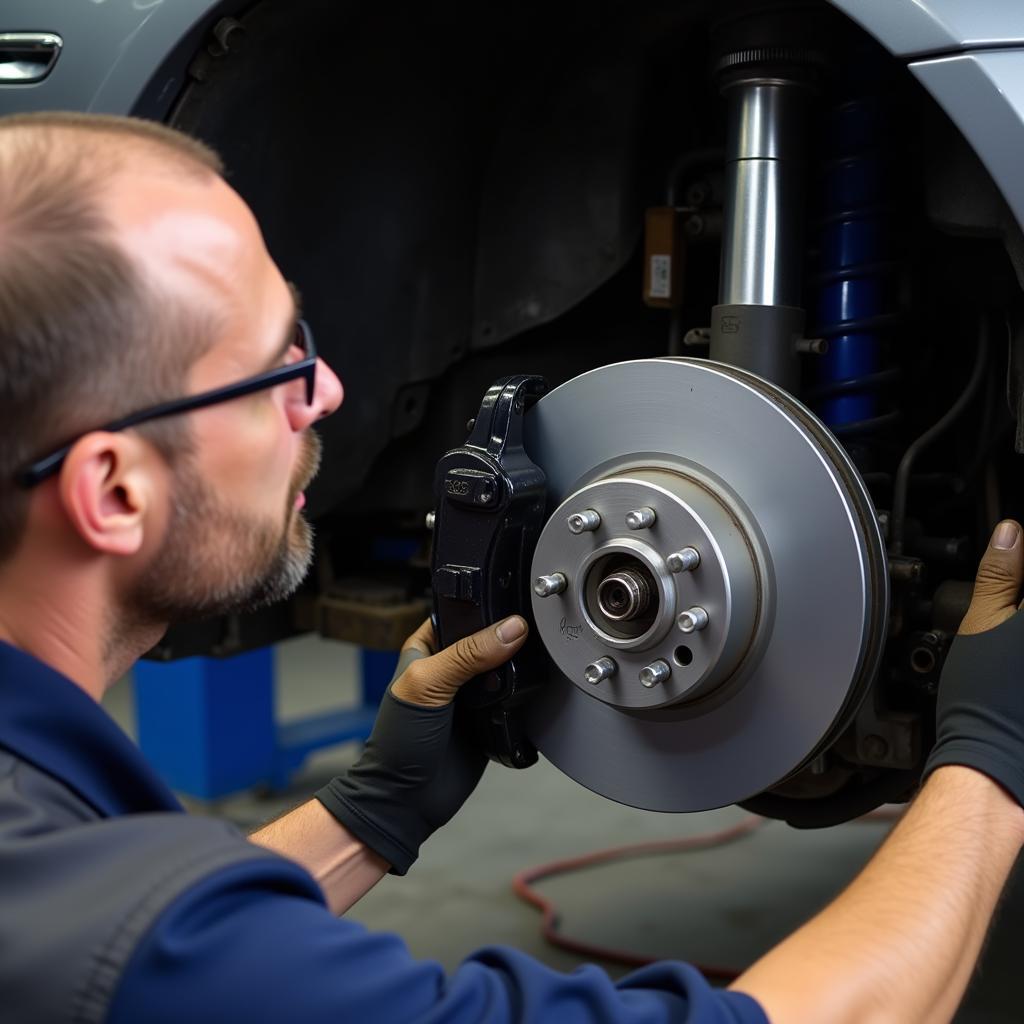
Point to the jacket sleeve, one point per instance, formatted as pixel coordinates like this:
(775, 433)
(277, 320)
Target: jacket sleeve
(255, 942)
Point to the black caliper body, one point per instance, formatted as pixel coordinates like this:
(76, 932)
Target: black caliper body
(489, 512)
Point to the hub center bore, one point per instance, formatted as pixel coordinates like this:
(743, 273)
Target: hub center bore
(624, 595)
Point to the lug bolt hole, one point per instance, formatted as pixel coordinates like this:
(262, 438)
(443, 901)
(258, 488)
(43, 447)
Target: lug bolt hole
(682, 656)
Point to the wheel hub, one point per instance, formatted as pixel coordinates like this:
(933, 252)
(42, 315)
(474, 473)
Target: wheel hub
(623, 600)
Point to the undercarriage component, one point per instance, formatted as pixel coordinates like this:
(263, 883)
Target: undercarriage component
(622, 598)
(682, 691)
(357, 611)
(490, 508)
(856, 307)
(759, 320)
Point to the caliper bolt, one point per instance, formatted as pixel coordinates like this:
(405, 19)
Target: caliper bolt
(430, 520)
(685, 560)
(545, 586)
(585, 521)
(692, 620)
(603, 668)
(641, 518)
(657, 672)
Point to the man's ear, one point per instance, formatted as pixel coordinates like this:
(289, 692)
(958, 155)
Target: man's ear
(108, 487)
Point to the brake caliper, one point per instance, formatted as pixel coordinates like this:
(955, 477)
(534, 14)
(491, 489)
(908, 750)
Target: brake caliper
(490, 500)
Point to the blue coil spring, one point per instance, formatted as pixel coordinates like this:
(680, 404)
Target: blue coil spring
(856, 289)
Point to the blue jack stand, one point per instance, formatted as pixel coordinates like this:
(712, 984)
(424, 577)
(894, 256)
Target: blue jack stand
(207, 725)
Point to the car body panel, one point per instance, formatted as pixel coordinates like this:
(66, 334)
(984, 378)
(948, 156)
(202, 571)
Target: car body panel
(131, 56)
(910, 28)
(983, 95)
(112, 48)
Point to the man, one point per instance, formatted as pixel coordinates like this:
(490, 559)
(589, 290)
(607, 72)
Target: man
(156, 399)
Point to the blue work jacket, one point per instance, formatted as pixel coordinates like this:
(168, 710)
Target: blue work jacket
(116, 906)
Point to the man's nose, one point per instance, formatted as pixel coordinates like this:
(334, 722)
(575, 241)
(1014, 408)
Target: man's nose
(327, 396)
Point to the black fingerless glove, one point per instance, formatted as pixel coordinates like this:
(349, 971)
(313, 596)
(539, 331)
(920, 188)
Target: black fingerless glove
(414, 773)
(980, 713)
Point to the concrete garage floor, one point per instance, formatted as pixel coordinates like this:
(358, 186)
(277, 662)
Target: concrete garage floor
(722, 906)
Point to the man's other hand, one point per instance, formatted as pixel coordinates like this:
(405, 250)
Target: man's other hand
(980, 712)
(997, 587)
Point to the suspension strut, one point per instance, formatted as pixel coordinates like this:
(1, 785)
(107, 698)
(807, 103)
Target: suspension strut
(855, 290)
(759, 319)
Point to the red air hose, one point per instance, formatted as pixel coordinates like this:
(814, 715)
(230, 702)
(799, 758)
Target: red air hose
(522, 885)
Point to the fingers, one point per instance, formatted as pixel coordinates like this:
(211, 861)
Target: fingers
(998, 584)
(434, 681)
(422, 640)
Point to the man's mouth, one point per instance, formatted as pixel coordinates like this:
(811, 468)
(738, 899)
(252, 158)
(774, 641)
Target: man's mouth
(309, 463)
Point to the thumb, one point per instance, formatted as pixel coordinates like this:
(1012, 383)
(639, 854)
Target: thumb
(434, 681)
(998, 584)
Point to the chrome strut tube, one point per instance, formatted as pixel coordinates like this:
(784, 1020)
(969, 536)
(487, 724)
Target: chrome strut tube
(758, 320)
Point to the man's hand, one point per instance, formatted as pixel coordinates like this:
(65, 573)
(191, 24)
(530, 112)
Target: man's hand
(997, 587)
(416, 771)
(980, 713)
(432, 680)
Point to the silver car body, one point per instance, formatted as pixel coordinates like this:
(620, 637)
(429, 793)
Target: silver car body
(130, 56)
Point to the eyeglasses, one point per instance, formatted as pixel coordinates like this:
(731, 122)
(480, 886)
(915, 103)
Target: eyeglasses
(304, 368)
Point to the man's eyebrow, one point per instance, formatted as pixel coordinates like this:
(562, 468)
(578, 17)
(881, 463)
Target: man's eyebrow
(289, 336)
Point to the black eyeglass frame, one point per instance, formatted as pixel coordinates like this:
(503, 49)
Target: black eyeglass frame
(45, 467)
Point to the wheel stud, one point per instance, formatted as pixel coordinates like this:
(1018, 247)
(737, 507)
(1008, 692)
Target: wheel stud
(685, 560)
(692, 620)
(641, 518)
(545, 586)
(585, 521)
(657, 672)
(603, 668)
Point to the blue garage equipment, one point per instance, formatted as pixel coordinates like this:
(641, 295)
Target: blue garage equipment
(208, 727)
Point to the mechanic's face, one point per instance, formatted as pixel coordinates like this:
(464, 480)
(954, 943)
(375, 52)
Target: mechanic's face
(217, 557)
(235, 536)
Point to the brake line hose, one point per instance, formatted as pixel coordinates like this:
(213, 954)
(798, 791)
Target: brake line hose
(897, 524)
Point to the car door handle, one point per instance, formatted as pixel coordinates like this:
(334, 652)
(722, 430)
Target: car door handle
(27, 57)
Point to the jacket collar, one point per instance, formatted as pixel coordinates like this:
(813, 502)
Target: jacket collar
(50, 721)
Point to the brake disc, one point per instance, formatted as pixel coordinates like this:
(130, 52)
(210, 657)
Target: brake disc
(711, 586)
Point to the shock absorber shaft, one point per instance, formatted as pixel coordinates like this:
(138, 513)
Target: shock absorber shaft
(761, 251)
(759, 319)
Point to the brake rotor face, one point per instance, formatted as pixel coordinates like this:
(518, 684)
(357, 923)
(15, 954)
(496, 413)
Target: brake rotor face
(676, 686)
